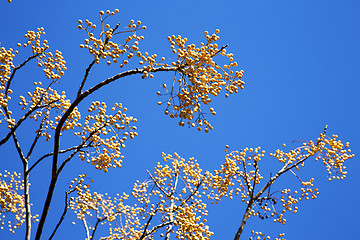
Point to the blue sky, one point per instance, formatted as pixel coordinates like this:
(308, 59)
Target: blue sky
(300, 59)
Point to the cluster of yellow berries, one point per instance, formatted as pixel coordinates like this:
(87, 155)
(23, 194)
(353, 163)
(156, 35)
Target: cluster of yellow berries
(258, 236)
(331, 151)
(6, 64)
(11, 201)
(106, 210)
(197, 77)
(261, 236)
(4, 98)
(107, 150)
(173, 195)
(103, 46)
(240, 168)
(333, 154)
(53, 65)
(41, 101)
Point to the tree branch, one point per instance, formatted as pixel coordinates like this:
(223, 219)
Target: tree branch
(63, 214)
(17, 68)
(38, 134)
(284, 169)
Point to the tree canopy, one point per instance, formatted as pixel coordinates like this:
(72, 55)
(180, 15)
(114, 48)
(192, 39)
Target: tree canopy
(72, 123)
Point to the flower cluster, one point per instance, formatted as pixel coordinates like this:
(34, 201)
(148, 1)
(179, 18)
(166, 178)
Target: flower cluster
(197, 77)
(41, 101)
(328, 149)
(331, 151)
(266, 207)
(175, 198)
(240, 168)
(11, 201)
(53, 65)
(261, 236)
(106, 150)
(4, 98)
(121, 218)
(258, 236)
(6, 64)
(103, 46)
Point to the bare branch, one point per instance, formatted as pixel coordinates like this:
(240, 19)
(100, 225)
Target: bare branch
(145, 233)
(63, 214)
(96, 225)
(87, 71)
(158, 186)
(17, 68)
(38, 134)
(23, 118)
(86, 229)
(48, 155)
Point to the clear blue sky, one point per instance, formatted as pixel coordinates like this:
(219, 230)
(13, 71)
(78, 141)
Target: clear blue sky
(301, 61)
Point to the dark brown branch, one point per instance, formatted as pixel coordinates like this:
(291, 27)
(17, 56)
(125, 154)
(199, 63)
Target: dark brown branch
(78, 148)
(23, 118)
(87, 71)
(96, 225)
(38, 134)
(158, 186)
(17, 68)
(48, 155)
(63, 214)
(193, 193)
(145, 233)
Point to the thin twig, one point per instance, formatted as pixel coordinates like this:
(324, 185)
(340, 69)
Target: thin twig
(17, 68)
(63, 214)
(38, 134)
(48, 155)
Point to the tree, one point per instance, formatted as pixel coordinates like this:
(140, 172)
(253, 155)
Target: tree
(173, 200)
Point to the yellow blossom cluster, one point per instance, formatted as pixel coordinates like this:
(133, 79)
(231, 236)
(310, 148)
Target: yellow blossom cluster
(261, 236)
(53, 65)
(197, 77)
(4, 98)
(106, 150)
(121, 218)
(11, 201)
(6, 64)
(331, 151)
(172, 194)
(265, 207)
(41, 101)
(103, 46)
(240, 168)
(258, 236)
(333, 155)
